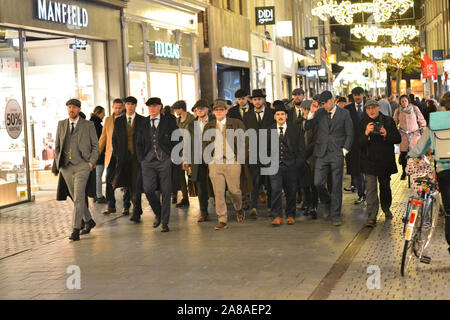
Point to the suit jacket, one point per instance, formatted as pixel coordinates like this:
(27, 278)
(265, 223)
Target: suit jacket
(166, 127)
(105, 140)
(335, 137)
(353, 158)
(234, 112)
(87, 141)
(295, 140)
(292, 116)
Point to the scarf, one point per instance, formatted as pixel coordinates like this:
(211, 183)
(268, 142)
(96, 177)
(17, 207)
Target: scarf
(407, 109)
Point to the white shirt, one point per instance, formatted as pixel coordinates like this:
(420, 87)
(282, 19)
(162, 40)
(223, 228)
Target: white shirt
(298, 111)
(284, 126)
(132, 118)
(261, 114)
(203, 124)
(243, 110)
(222, 122)
(74, 122)
(362, 106)
(333, 111)
(157, 119)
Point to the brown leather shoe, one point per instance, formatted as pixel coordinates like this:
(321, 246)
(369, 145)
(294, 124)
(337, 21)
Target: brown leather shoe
(202, 219)
(221, 226)
(126, 212)
(109, 211)
(240, 215)
(290, 220)
(277, 221)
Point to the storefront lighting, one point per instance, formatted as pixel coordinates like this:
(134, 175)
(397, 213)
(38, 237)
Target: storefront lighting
(343, 12)
(395, 51)
(397, 33)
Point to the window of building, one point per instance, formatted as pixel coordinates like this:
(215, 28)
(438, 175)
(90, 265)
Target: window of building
(135, 42)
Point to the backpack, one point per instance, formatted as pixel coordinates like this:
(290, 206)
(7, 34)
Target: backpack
(440, 135)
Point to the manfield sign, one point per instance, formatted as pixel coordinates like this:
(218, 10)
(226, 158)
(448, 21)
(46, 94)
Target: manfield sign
(63, 13)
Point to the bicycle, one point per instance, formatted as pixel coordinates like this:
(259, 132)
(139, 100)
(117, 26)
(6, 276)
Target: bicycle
(419, 222)
(408, 136)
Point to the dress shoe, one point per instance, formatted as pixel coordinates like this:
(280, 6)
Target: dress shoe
(102, 199)
(337, 221)
(221, 226)
(253, 214)
(262, 197)
(313, 213)
(360, 200)
(351, 188)
(109, 211)
(136, 218)
(89, 225)
(183, 203)
(174, 199)
(165, 228)
(75, 236)
(388, 214)
(157, 222)
(202, 218)
(240, 215)
(83, 224)
(403, 177)
(277, 221)
(126, 212)
(290, 221)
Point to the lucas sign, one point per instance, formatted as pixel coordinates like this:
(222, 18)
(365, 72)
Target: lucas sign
(71, 15)
(265, 15)
(13, 119)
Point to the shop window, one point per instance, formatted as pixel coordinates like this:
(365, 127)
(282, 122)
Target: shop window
(13, 180)
(186, 53)
(168, 44)
(165, 86)
(189, 89)
(139, 90)
(263, 77)
(135, 42)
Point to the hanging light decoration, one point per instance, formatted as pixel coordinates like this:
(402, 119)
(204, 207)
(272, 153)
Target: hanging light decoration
(395, 51)
(343, 13)
(397, 34)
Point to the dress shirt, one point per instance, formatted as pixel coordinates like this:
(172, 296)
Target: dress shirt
(132, 118)
(157, 119)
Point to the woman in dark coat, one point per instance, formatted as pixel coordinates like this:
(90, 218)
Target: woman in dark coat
(97, 117)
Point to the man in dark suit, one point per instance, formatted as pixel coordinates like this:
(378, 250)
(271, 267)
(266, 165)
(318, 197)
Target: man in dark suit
(334, 140)
(260, 118)
(76, 152)
(196, 166)
(127, 173)
(153, 150)
(291, 154)
(243, 106)
(353, 158)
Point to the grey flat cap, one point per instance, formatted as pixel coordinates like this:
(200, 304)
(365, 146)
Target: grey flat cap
(306, 104)
(371, 103)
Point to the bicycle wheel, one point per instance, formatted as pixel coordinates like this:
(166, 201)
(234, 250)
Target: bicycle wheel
(410, 248)
(429, 222)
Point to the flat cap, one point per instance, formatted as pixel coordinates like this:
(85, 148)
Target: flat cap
(371, 103)
(130, 99)
(306, 104)
(357, 90)
(220, 103)
(153, 101)
(298, 91)
(202, 103)
(325, 96)
(241, 93)
(316, 97)
(74, 102)
(180, 104)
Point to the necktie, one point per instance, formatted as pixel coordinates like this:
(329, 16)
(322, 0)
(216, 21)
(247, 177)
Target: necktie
(153, 124)
(258, 114)
(359, 110)
(329, 118)
(73, 127)
(129, 122)
(281, 133)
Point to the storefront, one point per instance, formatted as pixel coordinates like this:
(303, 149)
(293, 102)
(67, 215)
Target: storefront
(225, 60)
(262, 65)
(161, 56)
(50, 51)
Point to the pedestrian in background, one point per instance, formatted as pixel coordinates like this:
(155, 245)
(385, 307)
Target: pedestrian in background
(97, 117)
(377, 136)
(341, 102)
(431, 107)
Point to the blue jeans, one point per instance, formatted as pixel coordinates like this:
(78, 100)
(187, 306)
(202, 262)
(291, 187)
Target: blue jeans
(99, 173)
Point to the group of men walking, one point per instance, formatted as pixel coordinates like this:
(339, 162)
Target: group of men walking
(308, 141)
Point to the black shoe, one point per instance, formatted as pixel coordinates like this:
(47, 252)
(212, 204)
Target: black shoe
(313, 213)
(307, 211)
(360, 200)
(82, 224)
(403, 177)
(75, 236)
(89, 225)
(100, 200)
(126, 212)
(183, 203)
(157, 222)
(136, 218)
(351, 188)
(165, 228)
(174, 199)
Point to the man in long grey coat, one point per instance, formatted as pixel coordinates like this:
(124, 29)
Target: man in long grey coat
(334, 139)
(76, 152)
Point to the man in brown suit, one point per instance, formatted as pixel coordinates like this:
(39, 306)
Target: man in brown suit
(224, 162)
(110, 161)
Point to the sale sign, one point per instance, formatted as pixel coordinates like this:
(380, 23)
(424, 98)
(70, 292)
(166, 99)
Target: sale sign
(13, 119)
(429, 67)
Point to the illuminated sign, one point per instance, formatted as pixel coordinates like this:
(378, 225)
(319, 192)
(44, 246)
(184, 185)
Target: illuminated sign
(312, 43)
(235, 54)
(79, 44)
(331, 59)
(313, 68)
(71, 15)
(265, 15)
(167, 50)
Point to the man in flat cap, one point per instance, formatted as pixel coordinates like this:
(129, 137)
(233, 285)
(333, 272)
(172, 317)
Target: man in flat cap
(291, 150)
(334, 140)
(243, 106)
(127, 173)
(224, 168)
(298, 95)
(76, 152)
(259, 119)
(196, 164)
(153, 150)
(353, 158)
(184, 118)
